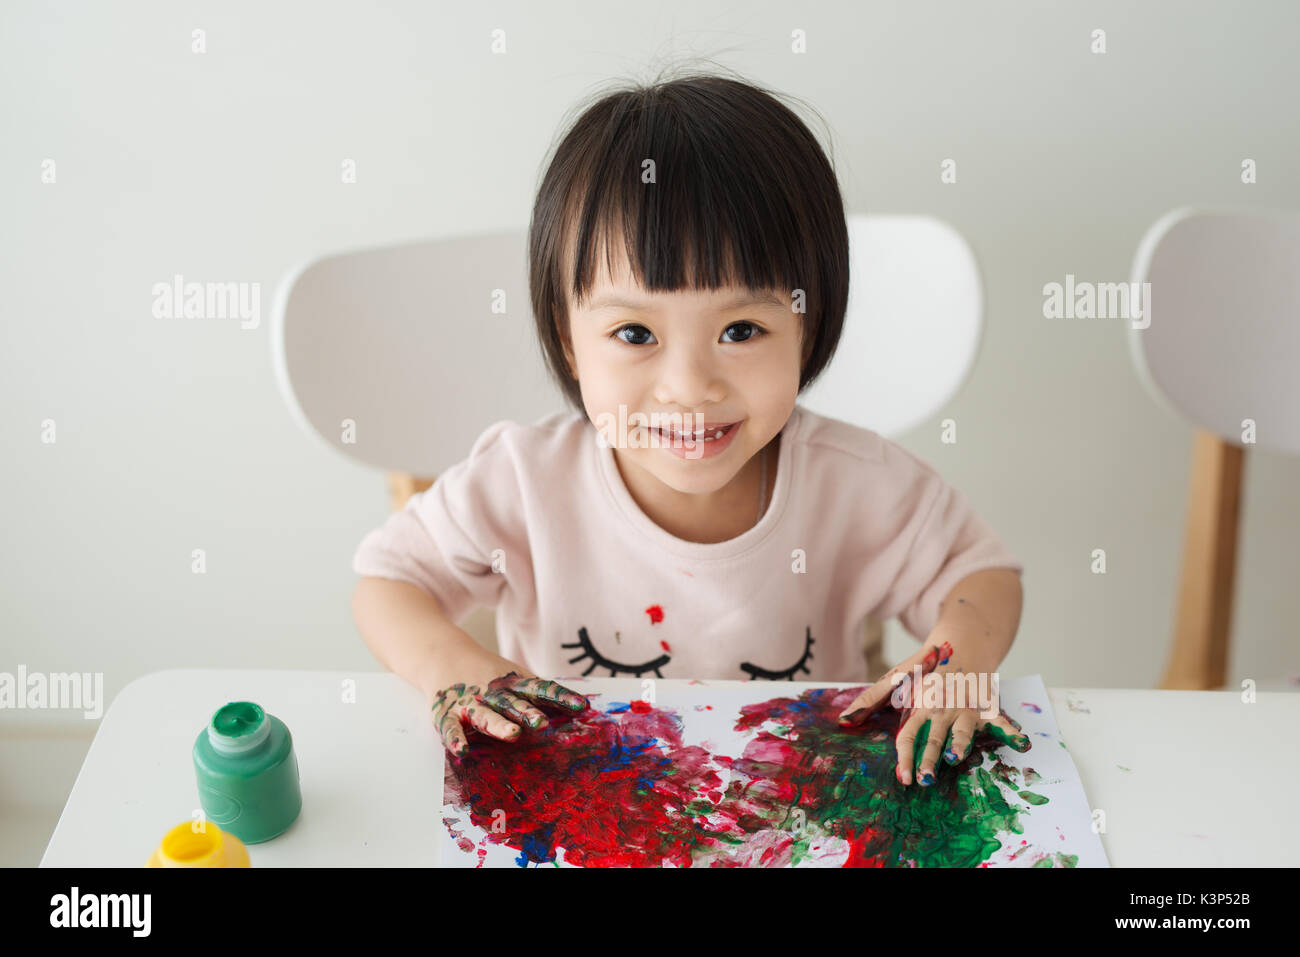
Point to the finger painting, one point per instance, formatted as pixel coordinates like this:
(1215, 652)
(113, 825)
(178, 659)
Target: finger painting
(758, 774)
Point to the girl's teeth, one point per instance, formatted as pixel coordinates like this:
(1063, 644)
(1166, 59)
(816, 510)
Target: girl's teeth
(697, 435)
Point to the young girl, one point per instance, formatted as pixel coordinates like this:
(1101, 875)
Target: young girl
(689, 277)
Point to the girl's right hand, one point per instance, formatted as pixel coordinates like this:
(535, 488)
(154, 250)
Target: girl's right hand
(494, 710)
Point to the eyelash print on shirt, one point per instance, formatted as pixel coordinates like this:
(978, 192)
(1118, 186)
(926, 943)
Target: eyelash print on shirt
(600, 661)
(754, 671)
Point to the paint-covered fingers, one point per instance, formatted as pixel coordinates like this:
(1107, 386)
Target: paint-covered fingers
(895, 686)
(542, 689)
(912, 734)
(1006, 731)
(453, 738)
(940, 722)
(446, 719)
(959, 740)
(515, 708)
(861, 708)
(460, 703)
(870, 701)
(487, 719)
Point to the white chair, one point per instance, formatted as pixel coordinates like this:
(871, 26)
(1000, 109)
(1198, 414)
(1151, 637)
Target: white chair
(394, 357)
(913, 327)
(1222, 353)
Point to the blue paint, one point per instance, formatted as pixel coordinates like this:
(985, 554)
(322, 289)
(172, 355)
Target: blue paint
(536, 847)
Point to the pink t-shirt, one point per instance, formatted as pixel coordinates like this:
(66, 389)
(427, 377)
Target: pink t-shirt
(538, 523)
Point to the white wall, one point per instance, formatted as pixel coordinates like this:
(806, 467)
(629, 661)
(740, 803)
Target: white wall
(225, 166)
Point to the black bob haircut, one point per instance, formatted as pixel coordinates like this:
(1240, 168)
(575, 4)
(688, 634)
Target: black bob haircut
(743, 195)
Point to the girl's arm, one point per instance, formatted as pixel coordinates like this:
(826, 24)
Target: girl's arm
(405, 628)
(979, 618)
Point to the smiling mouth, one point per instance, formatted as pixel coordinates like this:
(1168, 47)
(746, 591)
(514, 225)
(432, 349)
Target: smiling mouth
(711, 434)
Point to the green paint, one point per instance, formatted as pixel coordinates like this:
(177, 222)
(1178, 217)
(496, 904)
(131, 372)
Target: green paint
(698, 808)
(1030, 776)
(1059, 860)
(1122, 768)
(1005, 772)
(918, 746)
(1032, 798)
(247, 772)
(238, 719)
(850, 791)
(1018, 741)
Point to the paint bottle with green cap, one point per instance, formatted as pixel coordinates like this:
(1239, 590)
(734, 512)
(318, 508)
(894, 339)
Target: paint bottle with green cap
(247, 772)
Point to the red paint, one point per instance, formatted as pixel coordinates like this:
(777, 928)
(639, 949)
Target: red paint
(664, 645)
(859, 855)
(656, 614)
(580, 784)
(621, 789)
(934, 656)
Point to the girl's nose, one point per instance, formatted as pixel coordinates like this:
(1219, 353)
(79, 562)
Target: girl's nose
(687, 382)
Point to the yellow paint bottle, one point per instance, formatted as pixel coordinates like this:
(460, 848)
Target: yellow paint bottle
(183, 846)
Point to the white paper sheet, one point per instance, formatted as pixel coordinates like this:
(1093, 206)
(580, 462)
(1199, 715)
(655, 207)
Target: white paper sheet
(1057, 833)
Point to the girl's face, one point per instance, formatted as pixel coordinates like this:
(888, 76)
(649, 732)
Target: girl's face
(730, 354)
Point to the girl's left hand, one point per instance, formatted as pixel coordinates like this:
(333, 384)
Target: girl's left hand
(951, 729)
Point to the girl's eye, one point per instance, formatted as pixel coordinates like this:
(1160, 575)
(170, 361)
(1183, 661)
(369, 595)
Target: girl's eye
(622, 329)
(753, 333)
(748, 331)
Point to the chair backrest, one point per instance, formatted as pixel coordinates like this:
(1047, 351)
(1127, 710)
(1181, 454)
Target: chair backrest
(1223, 343)
(420, 345)
(913, 327)
(395, 357)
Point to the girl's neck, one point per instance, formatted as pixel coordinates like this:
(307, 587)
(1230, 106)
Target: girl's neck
(727, 514)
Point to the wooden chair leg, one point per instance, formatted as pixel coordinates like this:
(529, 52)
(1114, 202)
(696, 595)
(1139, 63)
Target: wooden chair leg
(401, 486)
(1198, 659)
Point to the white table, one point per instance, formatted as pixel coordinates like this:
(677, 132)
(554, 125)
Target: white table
(1207, 785)
(371, 772)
